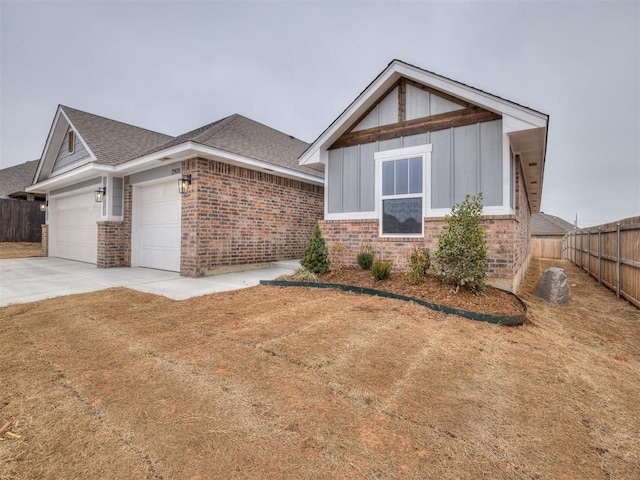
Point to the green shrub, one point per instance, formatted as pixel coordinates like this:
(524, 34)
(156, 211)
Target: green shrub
(419, 264)
(365, 256)
(316, 257)
(381, 270)
(462, 246)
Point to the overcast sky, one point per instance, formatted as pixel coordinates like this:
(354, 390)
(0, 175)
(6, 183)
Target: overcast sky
(295, 66)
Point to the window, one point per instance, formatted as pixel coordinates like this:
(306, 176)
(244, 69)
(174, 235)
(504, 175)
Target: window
(70, 142)
(402, 192)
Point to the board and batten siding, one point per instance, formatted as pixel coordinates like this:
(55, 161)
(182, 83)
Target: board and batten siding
(64, 158)
(464, 160)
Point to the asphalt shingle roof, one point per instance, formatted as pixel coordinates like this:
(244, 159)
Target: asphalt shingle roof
(543, 224)
(242, 136)
(113, 142)
(14, 180)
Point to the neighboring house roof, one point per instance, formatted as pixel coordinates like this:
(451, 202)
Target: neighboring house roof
(113, 142)
(526, 128)
(14, 180)
(543, 224)
(242, 136)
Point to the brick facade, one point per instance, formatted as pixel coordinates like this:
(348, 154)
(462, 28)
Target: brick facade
(234, 216)
(111, 246)
(507, 240)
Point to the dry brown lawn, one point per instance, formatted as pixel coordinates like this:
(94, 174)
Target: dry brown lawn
(302, 383)
(20, 249)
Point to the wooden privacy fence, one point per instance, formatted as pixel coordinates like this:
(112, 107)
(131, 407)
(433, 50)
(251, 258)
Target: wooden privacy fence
(20, 221)
(546, 247)
(611, 254)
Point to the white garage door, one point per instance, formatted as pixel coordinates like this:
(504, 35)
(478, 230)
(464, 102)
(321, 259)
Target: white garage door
(74, 227)
(158, 226)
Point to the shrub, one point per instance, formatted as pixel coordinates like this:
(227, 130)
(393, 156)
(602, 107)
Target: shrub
(316, 257)
(381, 270)
(419, 264)
(336, 255)
(462, 246)
(300, 275)
(365, 256)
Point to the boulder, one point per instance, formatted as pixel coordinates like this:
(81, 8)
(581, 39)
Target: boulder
(553, 286)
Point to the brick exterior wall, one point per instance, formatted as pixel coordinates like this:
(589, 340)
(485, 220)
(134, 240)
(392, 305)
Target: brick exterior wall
(234, 216)
(127, 198)
(507, 238)
(44, 245)
(111, 246)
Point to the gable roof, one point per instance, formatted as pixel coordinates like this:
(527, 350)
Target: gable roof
(544, 224)
(14, 180)
(526, 128)
(240, 135)
(113, 142)
(123, 149)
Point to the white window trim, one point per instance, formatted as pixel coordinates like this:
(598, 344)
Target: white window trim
(423, 151)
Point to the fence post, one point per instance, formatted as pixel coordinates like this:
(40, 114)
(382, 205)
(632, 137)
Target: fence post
(600, 255)
(581, 248)
(618, 261)
(589, 252)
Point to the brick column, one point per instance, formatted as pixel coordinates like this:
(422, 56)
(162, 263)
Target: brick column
(44, 245)
(111, 249)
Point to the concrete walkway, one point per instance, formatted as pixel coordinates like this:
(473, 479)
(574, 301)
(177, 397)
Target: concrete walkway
(26, 280)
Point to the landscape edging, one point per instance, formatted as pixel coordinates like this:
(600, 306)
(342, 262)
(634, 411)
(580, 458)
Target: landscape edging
(507, 320)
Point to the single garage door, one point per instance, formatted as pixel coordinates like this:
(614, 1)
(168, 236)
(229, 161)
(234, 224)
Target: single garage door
(75, 228)
(158, 226)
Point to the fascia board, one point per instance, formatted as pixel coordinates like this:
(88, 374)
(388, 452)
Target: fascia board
(71, 177)
(242, 161)
(357, 108)
(528, 117)
(473, 95)
(47, 144)
(190, 149)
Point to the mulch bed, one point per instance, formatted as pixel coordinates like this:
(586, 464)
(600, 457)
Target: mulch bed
(493, 301)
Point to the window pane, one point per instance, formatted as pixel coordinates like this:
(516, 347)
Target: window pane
(402, 215)
(387, 178)
(415, 175)
(402, 176)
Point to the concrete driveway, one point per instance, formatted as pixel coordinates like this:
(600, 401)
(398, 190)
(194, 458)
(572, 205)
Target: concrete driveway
(26, 280)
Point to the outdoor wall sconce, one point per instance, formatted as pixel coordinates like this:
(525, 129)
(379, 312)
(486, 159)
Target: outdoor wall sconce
(100, 193)
(183, 184)
(43, 206)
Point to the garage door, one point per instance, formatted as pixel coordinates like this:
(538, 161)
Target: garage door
(74, 227)
(158, 226)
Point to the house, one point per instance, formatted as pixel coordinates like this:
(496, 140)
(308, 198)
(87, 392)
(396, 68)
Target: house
(21, 213)
(225, 195)
(547, 233)
(413, 144)
(15, 180)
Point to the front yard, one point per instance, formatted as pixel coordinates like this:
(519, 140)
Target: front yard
(303, 383)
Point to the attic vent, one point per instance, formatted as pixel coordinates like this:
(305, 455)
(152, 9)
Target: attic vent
(71, 144)
(534, 164)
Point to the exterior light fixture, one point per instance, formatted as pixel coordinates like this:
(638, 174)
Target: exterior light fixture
(43, 206)
(100, 193)
(183, 184)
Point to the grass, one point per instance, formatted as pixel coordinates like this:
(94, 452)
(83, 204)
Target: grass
(20, 250)
(303, 383)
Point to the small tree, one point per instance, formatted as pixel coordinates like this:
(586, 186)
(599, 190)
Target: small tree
(462, 246)
(316, 255)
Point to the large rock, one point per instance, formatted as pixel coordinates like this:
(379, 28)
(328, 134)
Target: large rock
(553, 286)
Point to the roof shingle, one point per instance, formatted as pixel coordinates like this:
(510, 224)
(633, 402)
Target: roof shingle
(14, 180)
(543, 224)
(113, 142)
